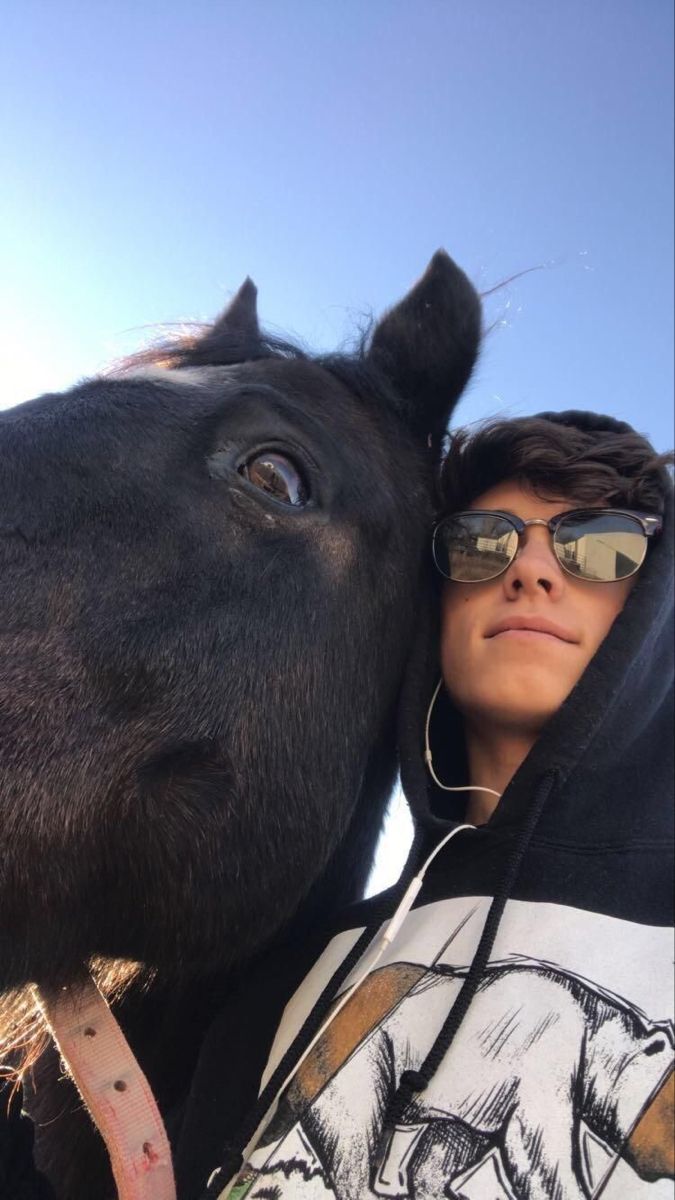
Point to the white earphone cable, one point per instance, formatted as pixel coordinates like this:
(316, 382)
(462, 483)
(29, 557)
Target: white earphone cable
(429, 762)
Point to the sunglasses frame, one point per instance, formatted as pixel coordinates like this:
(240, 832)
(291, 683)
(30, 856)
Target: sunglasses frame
(649, 524)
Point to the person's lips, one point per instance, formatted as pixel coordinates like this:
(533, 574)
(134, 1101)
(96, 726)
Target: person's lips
(532, 625)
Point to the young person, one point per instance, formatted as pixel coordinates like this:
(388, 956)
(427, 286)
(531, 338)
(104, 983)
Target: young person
(512, 1035)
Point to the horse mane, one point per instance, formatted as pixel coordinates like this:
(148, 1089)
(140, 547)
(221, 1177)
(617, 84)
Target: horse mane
(24, 1031)
(197, 344)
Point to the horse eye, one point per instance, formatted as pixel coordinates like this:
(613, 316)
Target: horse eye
(277, 476)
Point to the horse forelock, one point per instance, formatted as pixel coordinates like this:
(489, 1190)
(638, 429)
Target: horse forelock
(198, 356)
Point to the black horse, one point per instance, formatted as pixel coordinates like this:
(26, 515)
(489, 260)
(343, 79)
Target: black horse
(212, 564)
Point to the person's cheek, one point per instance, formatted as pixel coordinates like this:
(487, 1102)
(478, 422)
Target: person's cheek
(456, 659)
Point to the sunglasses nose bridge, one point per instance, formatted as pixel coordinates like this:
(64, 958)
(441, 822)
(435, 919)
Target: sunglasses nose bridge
(541, 547)
(522, 527)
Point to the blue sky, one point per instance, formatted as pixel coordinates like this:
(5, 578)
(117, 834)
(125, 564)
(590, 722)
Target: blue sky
(155, 154)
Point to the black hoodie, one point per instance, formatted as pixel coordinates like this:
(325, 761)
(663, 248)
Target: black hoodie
(515, 1042)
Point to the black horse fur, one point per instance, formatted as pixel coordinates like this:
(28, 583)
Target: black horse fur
(213, 561)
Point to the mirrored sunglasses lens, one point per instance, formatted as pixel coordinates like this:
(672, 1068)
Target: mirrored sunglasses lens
(603, 548)
(473, 548)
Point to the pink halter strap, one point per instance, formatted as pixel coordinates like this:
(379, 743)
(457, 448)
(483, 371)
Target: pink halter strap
(114, 1089)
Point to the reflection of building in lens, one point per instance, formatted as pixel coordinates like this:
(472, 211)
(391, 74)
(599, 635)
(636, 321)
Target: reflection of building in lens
(480, 549)
(601, 557)
(491, 555)
(625, 565)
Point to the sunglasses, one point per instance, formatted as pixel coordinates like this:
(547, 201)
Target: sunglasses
(600, 545)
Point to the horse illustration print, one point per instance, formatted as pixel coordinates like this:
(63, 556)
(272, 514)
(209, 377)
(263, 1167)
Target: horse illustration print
(551, 1081)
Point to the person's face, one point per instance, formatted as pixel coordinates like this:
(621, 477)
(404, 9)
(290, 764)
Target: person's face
(518, 677)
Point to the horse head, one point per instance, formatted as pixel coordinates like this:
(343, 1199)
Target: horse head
(211, 571)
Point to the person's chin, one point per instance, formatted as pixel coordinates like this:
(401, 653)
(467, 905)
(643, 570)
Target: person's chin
(523, 703)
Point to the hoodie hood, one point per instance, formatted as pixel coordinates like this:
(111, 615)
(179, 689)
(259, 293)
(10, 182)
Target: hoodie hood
(601, 741)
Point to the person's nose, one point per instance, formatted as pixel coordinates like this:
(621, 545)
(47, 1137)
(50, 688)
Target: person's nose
(535, 568)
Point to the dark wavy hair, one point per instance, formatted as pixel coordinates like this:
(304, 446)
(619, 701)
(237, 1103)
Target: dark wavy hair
(577, 456)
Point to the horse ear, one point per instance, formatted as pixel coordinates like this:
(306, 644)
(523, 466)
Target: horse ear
(234, 335)
(241, 313)
(427, 345)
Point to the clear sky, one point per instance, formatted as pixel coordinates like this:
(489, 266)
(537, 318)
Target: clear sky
(156, 153)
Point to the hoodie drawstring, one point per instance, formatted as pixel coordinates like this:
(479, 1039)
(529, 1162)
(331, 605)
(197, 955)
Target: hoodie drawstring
(417, 1081)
